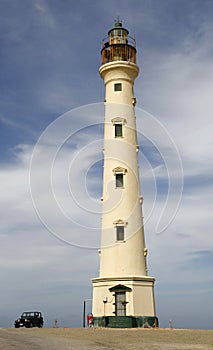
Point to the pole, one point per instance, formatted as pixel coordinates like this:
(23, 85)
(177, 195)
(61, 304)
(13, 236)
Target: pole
(84, 311)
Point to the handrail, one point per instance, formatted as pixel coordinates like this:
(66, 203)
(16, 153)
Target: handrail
(129, 40)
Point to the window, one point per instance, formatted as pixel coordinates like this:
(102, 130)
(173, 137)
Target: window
(119, 173)
(118, 130)
(120, 226)
(119, 180)
(120, 233)
(118, 124)
(118, 87)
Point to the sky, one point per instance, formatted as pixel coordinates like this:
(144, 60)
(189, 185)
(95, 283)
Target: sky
(51, 140)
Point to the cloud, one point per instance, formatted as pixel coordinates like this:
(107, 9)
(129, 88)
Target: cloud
(64, 155)
(35, 266)
(49, 63)
(28, 245)
(184, 104)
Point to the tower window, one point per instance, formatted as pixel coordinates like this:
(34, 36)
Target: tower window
(119, 180)
(118, 130)
(119, 173)
(120, 233)
(117, 87)
(120, 226)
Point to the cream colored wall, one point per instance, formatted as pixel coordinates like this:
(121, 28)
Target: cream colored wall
(140, 300)
(122, 262)
(121, 258)
(143, 299)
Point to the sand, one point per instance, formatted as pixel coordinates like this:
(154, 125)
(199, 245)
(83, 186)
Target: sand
(107, 339)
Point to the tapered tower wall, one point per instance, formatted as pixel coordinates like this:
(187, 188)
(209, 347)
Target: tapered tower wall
(123, 288)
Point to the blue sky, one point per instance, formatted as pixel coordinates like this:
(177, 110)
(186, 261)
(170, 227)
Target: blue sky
(49, 61)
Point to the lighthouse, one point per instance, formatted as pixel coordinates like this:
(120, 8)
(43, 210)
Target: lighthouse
(123, 293)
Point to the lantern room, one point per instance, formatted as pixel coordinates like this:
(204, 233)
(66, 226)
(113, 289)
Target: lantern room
(118, 45)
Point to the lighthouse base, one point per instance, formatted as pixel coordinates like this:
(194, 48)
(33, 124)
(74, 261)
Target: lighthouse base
(124, 302)
(126, 321)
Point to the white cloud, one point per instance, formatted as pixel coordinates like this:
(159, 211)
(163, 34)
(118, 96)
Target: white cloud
(27, 246)
(38, 270)
(181, 93)
(176, 86)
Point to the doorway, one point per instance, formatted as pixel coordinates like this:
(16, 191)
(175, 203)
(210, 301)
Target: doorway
(120, 304)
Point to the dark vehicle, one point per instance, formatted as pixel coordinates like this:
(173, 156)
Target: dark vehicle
(30, 319)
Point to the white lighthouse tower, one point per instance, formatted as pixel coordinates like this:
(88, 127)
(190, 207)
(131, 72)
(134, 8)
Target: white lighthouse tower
(123, 294)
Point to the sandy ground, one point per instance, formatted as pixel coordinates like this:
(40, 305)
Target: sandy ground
(105, 339)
